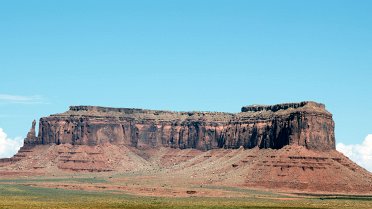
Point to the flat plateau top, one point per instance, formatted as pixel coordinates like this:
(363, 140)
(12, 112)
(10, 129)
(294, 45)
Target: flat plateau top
(247, 112)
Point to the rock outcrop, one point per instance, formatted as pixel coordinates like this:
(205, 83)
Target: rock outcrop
(306, 124)
(31, 135)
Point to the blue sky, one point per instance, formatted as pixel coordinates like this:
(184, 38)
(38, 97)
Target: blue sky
(186, 55)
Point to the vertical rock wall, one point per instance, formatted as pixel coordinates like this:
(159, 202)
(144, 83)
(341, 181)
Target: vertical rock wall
(306, 124)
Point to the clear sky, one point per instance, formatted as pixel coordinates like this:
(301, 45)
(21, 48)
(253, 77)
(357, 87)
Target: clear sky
(186, 55)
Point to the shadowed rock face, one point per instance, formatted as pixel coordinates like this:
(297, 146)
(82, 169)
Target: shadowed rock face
(306, 124)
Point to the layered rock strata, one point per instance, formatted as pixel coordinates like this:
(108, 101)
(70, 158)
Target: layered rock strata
(306, 124)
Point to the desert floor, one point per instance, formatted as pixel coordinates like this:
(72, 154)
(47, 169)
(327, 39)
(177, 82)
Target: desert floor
(140, 191)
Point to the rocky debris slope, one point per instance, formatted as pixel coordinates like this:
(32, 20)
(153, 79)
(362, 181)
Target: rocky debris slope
(292, 168)
(306, 124)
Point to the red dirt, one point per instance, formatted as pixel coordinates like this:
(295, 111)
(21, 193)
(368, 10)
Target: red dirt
(179, 172)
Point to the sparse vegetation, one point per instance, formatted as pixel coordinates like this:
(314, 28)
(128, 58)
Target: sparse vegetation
(20, 195)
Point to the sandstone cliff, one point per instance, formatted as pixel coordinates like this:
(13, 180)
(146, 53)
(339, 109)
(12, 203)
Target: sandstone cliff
(307, 124)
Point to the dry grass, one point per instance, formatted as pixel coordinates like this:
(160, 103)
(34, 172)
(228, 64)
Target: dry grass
(20, 195)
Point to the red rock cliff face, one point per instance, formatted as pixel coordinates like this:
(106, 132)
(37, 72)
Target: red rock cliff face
(306, 124)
